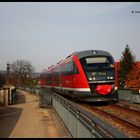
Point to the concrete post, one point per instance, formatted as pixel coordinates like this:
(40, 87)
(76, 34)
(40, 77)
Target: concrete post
(6, 94)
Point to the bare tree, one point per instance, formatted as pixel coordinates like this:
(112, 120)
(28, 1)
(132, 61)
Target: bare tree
(21, 71)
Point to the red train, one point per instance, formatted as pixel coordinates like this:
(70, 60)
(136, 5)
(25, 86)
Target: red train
(86, 75)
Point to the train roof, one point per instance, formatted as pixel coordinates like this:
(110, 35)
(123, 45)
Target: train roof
(85, 53)
(81, 54)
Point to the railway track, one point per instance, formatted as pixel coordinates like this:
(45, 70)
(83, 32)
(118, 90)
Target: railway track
(126, 121)
(129, 105)
(125, 114)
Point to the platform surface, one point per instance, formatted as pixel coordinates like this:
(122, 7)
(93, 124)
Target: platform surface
(25, 119)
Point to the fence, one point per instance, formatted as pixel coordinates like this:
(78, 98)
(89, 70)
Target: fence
(78, 120)
(45, 98)
(132, 96)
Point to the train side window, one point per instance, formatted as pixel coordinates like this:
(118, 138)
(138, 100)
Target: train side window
(42, 76)
(63, 69)
(48, 78)
(45, 77)
(69, 68)
(56, 75)
(75, 70)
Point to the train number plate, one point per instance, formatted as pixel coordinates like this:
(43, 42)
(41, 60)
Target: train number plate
(98, 73)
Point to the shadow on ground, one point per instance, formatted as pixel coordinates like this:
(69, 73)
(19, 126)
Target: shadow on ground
(9, 117)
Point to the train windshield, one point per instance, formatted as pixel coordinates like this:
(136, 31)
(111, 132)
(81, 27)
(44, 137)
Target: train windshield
(96, 60)
(99, 67)
(102, 62)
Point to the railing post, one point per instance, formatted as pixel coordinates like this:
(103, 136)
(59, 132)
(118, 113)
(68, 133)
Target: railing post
(6, 96)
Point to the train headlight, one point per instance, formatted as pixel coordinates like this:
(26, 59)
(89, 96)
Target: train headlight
(94, 52)
(112, 65)
(94, 78)
(111, 77)
(116, 88)
(90, 78)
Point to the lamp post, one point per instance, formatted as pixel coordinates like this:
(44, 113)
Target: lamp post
(8, 71)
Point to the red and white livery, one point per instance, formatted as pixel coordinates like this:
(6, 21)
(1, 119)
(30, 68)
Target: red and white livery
(86, 75)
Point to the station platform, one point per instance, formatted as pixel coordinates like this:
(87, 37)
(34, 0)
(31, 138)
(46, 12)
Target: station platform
(25, 119)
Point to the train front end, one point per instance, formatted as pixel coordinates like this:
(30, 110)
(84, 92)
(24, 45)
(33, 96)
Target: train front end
(99, 68)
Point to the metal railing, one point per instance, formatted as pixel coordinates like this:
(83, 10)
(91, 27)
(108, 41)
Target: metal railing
(132, 96)
(79, 122)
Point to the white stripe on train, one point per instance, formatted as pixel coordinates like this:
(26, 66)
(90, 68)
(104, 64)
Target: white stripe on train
(73, 89)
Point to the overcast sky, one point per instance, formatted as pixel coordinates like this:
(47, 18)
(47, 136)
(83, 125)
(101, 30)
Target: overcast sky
(46, 32)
